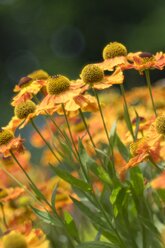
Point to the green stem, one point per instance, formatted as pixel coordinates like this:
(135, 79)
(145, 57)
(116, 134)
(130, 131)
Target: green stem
(50, 148)
(127, 112)
(90, 136)
(101, 113)
(76, 151)
(43, 197)
(3, 216)
(148, 80)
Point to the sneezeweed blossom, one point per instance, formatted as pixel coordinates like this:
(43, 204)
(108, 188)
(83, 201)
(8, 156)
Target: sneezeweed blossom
(15, 239)
(93, 75)
(9, 143)
(142, 61)
(114, 54)
(25, 111)
(29, 86)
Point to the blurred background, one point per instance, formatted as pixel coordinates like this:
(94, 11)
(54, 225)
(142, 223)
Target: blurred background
(61, 36)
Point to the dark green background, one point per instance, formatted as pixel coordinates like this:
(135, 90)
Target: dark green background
(62, 36)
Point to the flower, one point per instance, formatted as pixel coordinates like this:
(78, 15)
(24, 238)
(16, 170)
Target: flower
(9, 194)
(114, 49)
(16, 239)
(99, 82)
(25, 111)
(143, 61)
(159, 182)
(26, 89)
(8, 142)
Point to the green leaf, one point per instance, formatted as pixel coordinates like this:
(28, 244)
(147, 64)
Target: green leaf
(137, 180)
(122, 149)
(93, 216)
(96, 244)
(137, 124)
(47, 217)
(113, 134)
(71, 226)
(114, 194)
(53, 198)
(78, 183)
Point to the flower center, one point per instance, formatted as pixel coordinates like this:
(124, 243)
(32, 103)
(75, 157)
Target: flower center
(134, 146)
(160, 124)
(57, 84)
(24, 82)
(39, 74)
(22, 110)
(5, 137)
(114, 49)
(3, 193)
(92, 74)
(14, 240)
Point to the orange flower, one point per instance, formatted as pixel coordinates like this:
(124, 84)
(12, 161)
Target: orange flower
(34, 238)
(144, 61)
(110, 64)
(159, 182)
(94, 76)
(9, 194)
(15, 144)
(26, 89)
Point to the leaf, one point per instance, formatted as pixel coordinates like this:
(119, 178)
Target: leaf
(71, 226)
(137, 124)
(53, 198)
(93, 216)
(114, 195)
(122, 149)
(78, 183)
(47, 217)
(137, 180)
(113, 134)
(96, 244)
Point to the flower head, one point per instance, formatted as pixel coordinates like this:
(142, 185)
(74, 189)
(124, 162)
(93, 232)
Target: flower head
(57, 84)
(92, 74)
(23, 109)
(39, 74)
(114, 49)
(5, 137)
(14, 240)
(160, 124)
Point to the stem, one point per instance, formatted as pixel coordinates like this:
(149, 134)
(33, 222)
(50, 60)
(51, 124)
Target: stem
(43, 197)
(37, 130)
(148, 80)
(71, 136)
(3, 216)
(126, 108)
(101, 113)
(90, 136)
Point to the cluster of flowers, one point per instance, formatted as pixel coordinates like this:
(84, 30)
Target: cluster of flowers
(121, 137)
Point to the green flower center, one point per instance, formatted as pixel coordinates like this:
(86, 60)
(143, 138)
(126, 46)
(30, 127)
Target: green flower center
(57, 84)
(14, 240)
(39, 74)
(22, 110)
(92, 74)
(114, 49)
(3, 193)
(25, 81)
(5, 137)
(160, 124)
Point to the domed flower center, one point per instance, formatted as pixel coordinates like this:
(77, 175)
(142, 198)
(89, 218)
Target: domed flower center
(14, 240)
(92, 74)
(39, 74)
(160, 124)
(22, 110)
(57, 84)
(5, 137)
(25, 81)
(135, 145)
(114, 49)
(3, 193)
